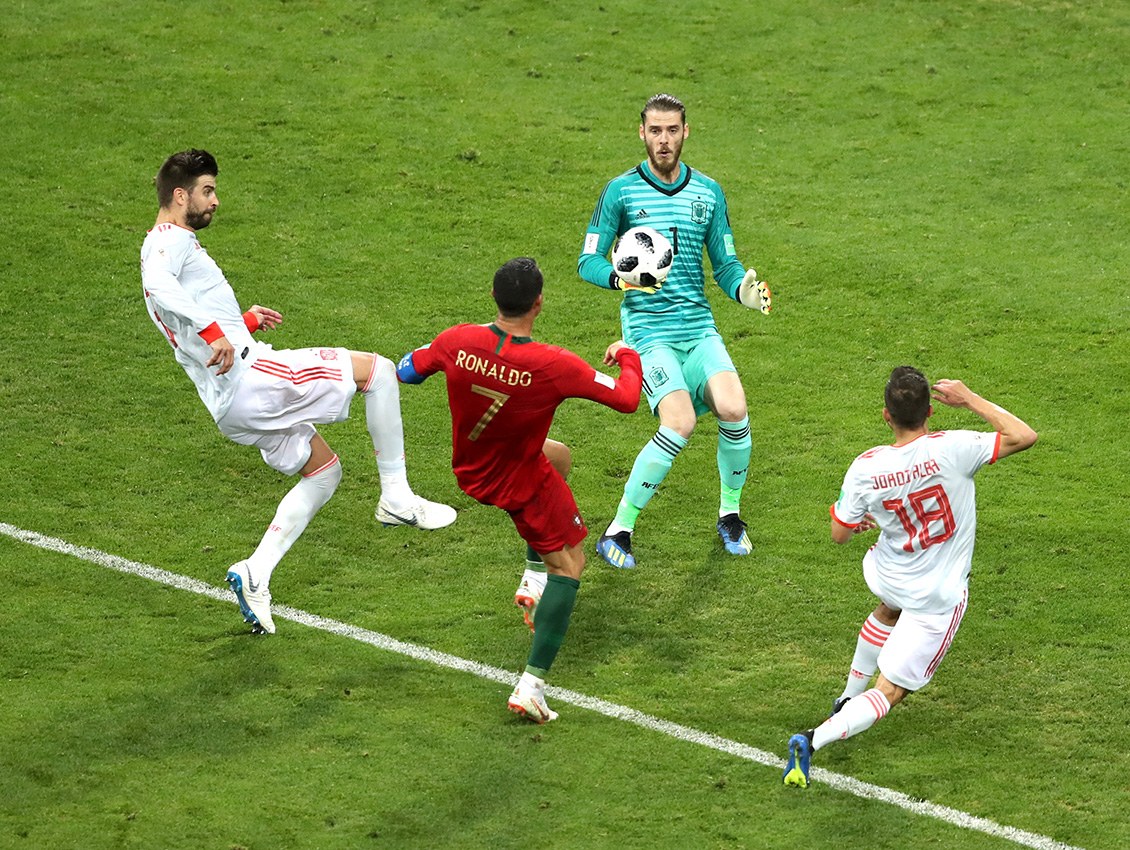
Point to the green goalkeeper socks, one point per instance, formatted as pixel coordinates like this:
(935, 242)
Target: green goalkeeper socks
(554, 610)
(651, 467)
(734, 446)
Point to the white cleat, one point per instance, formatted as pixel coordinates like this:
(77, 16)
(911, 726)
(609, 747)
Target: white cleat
(420, 514)
(528, 595)
(528, 700)
(254, 598)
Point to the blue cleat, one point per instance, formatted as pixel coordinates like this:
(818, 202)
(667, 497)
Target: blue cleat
(800, 754)
(732, 531)
(616, 549)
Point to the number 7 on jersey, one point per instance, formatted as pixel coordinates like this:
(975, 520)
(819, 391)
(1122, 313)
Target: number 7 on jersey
(499, 399)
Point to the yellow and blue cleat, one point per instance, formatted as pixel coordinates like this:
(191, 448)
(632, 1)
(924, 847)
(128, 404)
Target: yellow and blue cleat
(800, 757)
(616, 549)
(732, 531)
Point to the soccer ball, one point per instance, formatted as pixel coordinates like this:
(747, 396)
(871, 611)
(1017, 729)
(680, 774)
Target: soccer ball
(642, 256)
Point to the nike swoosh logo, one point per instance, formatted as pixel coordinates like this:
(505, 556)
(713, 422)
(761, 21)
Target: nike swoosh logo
(253, 586)
(403, 519)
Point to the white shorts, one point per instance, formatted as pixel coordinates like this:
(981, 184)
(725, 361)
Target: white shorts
(917, 645)
(280, 398)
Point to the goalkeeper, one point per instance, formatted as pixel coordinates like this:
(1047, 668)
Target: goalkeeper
(686, 368)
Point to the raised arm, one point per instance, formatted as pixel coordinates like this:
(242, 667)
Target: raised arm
(1016, 434)
(580, 380)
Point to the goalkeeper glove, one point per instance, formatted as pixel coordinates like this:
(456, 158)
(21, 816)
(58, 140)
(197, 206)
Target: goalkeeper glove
(617, 282)
(754, 293)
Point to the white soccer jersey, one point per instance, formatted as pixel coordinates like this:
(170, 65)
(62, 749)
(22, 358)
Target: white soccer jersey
(923, 499)
(186, 294)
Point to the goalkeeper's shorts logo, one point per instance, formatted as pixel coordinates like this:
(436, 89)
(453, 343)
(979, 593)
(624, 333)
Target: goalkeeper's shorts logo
(657, 377)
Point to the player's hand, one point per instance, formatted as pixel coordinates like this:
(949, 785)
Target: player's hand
(865, 524)
(617, 282)
(640, 287)
(610, 354)
(223, 355)
(754, 293)
(952, 393)
(268, 318)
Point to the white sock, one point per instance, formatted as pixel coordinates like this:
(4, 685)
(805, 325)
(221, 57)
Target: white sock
(292, 516)
(857, 716)
(865, 662)
(535, 579)
(382, 416)
(529, 680)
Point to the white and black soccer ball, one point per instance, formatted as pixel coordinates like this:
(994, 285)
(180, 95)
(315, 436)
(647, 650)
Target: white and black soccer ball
(643, 256)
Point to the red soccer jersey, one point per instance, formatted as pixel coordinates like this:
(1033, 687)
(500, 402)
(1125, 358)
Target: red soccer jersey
(503, 392)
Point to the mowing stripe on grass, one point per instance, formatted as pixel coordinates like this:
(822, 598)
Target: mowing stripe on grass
(619, 712)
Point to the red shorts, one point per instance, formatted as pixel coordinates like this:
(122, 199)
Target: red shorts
(550, 521)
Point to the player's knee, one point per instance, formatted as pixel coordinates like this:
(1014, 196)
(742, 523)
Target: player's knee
(894, 693)
(681, 423)
(886, 615)
(569, 562)
(333, 477)
(384, 370)
(371, 370)
(325, 477)
(731, 410)
(560, 456)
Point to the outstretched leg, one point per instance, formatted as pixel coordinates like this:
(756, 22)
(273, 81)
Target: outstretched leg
(376, 381)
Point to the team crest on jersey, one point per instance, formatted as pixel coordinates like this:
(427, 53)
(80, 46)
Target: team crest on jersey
(698, 212)
(657, 377)
(328, 354)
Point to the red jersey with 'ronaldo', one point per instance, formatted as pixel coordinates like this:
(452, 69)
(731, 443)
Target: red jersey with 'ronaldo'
(503, 391)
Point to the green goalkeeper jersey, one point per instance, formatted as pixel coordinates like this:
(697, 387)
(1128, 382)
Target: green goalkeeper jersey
(692, 213)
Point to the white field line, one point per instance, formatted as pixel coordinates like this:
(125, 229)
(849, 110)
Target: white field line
(619, 712)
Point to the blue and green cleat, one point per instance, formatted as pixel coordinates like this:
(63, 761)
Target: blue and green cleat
(616, 549)
(732, 531)
(800, 756)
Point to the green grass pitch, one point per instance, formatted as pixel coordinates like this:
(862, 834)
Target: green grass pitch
(942, 184)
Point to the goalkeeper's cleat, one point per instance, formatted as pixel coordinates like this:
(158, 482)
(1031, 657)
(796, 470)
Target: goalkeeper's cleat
(800, 756)
(528, 700)
(529, 594)
(616, 549)
(732, 531)
(419, 514)
(254, 598)
(837, 704)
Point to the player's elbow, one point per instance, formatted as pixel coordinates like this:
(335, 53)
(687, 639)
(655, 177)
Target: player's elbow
(1018, 441)
(841, 533)
(1026, 439)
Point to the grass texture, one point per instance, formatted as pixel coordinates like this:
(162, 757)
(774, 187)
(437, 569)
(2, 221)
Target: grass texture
(940, 184)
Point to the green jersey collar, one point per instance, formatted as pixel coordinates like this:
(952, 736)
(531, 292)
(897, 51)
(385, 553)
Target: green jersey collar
(645, 172)
(503, 336)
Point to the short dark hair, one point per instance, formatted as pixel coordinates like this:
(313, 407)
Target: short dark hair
(517, 286)
(181, 171)
(663, 103)
(907, 397)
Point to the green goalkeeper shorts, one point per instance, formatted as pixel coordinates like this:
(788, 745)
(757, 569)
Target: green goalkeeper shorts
(684, 366)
